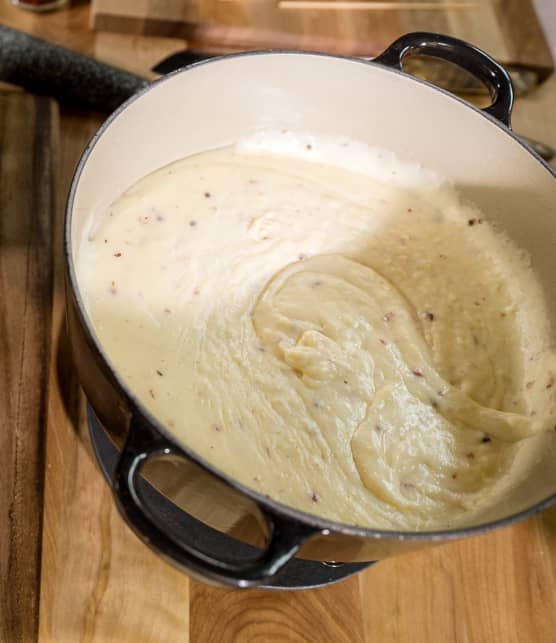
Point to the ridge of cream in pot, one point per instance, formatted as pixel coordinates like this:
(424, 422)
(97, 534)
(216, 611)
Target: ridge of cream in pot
(328, 325)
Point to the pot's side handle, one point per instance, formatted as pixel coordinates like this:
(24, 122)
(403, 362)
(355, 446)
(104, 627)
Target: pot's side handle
(144, 443)
(461, 53)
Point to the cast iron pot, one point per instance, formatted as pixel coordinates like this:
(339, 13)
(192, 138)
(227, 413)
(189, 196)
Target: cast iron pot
(212, 104)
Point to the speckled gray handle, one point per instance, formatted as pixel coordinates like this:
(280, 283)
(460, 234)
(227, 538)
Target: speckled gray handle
(72, 78)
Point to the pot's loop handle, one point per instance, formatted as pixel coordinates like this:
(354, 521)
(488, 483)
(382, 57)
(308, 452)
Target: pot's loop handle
(142, 444)
(461, 53)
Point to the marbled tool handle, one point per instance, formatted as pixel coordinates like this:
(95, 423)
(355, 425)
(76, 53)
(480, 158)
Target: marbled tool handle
(43, 68)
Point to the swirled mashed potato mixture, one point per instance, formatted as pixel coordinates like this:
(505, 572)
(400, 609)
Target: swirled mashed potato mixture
(328, 325)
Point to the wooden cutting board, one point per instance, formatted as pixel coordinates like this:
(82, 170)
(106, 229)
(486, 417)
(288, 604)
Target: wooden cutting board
(71, 570)
(28, 141)
(508, 29)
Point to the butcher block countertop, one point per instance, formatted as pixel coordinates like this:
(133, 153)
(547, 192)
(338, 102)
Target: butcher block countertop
(70, 569)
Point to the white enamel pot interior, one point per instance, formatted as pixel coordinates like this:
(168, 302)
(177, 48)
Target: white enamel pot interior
(213, 104)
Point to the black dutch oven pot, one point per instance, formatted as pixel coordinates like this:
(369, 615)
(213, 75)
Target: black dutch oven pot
(213, 103)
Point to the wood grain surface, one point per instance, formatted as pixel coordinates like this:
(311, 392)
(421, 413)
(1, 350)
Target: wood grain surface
(508, 29)
(97, 582)
(28, 143)
(70, 28)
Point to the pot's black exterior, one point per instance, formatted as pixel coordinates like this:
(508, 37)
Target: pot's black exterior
(280, 531)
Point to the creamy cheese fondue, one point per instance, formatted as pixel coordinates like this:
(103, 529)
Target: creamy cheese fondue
(326, 324)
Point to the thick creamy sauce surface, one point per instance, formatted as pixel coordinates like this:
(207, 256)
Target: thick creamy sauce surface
(358, 344)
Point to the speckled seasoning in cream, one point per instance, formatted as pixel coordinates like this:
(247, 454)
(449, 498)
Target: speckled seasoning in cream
(328, 325)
